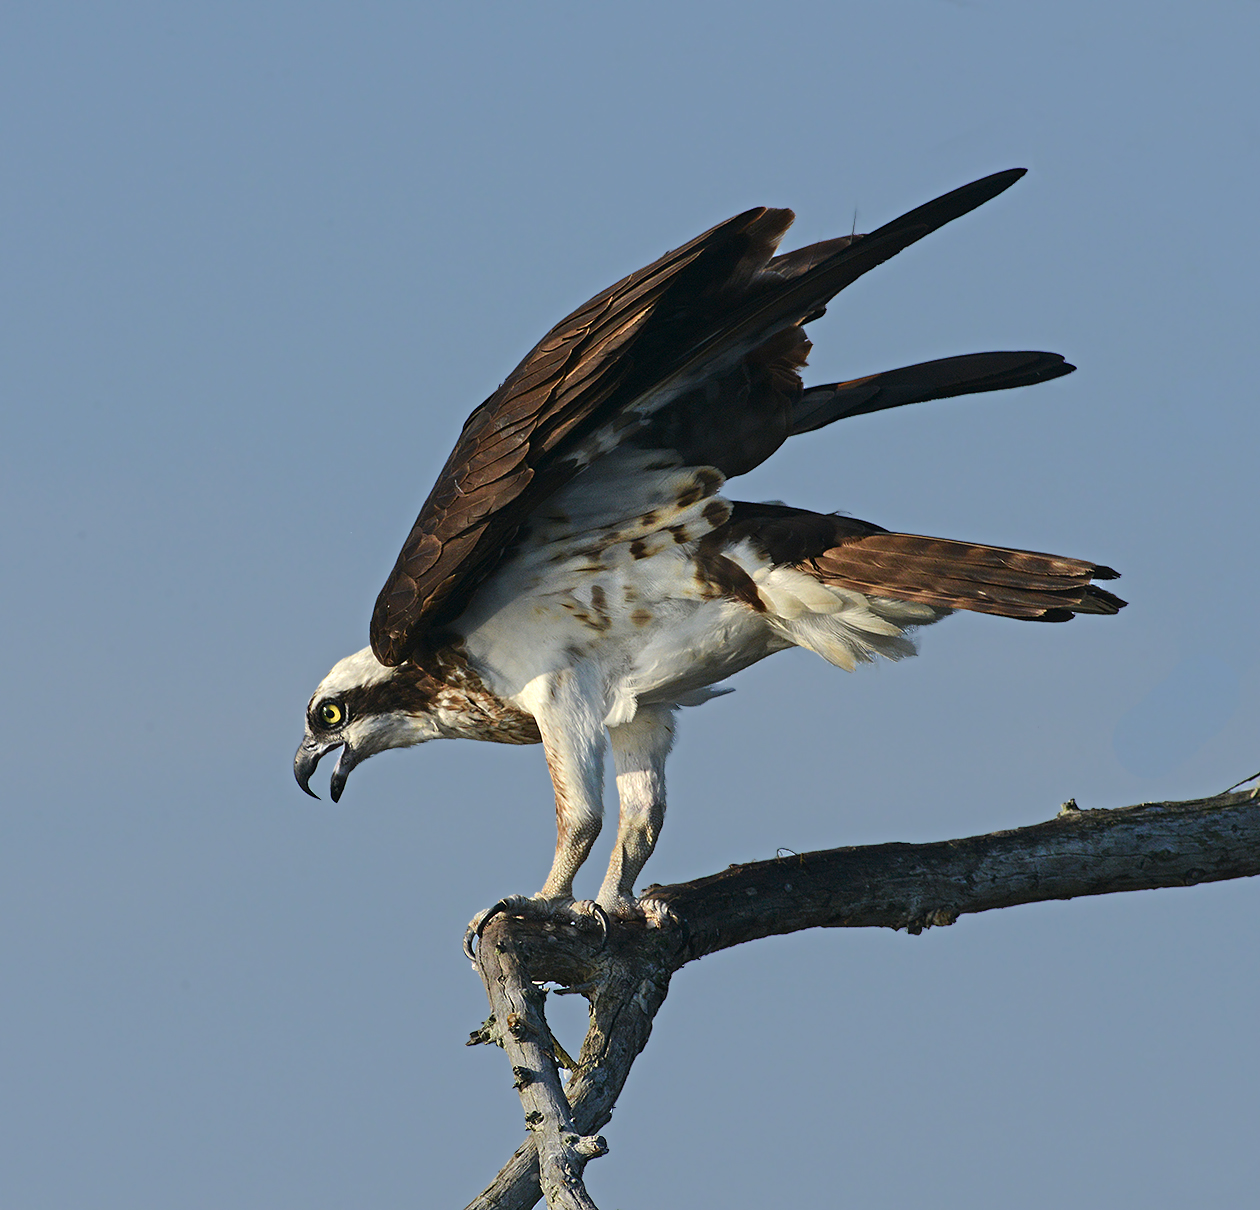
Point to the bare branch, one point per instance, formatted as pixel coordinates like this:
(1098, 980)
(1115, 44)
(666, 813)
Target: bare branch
(521, 1029)
(914, 886)
(910, 886)
(626, 983)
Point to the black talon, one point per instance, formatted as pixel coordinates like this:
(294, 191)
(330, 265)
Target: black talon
(602, 917)
(477, 925)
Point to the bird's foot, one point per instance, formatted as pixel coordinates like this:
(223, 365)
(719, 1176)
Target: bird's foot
(582, 913)
(655, 913)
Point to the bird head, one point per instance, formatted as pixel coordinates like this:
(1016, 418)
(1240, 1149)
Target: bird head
(363, 707)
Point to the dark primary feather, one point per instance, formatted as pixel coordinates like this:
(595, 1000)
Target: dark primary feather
(971, 374)
(704, 318)
(963, 575)
(856, 554)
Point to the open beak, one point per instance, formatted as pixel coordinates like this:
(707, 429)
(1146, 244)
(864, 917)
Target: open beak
(310, 752)
(347, 761)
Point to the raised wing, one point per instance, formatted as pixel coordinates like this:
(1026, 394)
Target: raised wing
(601, 376)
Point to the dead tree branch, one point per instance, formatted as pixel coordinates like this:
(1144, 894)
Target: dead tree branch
(520, 1027)
(910, 886)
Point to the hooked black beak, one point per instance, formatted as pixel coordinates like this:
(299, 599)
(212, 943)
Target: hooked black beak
(310, 752)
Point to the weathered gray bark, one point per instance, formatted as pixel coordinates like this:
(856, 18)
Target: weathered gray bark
(517, 1023)
(910, 886)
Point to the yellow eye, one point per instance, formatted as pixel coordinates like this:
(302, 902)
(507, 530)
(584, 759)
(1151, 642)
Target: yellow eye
(330, 714)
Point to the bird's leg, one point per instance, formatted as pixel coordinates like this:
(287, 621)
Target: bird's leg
(639, 750)
(570, 720)
(569, 713)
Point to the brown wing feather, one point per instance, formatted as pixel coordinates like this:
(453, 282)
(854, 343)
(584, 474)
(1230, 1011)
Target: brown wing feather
(962, 575)
(739, 417)
(970, 374)
(634, 348)
(856, 554)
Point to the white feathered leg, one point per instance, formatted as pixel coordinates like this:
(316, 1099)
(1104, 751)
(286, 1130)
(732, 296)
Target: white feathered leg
(569, 712)
(639, 749)
(568, 707)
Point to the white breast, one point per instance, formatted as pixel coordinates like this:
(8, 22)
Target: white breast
(607, 577)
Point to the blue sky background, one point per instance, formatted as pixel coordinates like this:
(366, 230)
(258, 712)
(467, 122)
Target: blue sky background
(261, 259)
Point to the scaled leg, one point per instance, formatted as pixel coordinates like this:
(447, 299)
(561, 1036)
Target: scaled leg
(639, 750)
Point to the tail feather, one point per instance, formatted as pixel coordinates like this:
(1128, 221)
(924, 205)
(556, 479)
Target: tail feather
(970, 374)
(962, 575)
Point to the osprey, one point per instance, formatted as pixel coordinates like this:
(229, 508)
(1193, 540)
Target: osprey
(576, 573)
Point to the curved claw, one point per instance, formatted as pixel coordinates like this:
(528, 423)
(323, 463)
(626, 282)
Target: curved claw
(481, 919)
(658, 913)
(591, 908)
(471, 933)
(581, 910)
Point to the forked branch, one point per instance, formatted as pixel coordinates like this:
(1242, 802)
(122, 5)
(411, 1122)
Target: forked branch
(910, 886)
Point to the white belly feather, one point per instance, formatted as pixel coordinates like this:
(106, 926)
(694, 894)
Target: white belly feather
(607, 576)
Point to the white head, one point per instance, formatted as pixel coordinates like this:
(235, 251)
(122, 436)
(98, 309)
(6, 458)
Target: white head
(364, 707)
